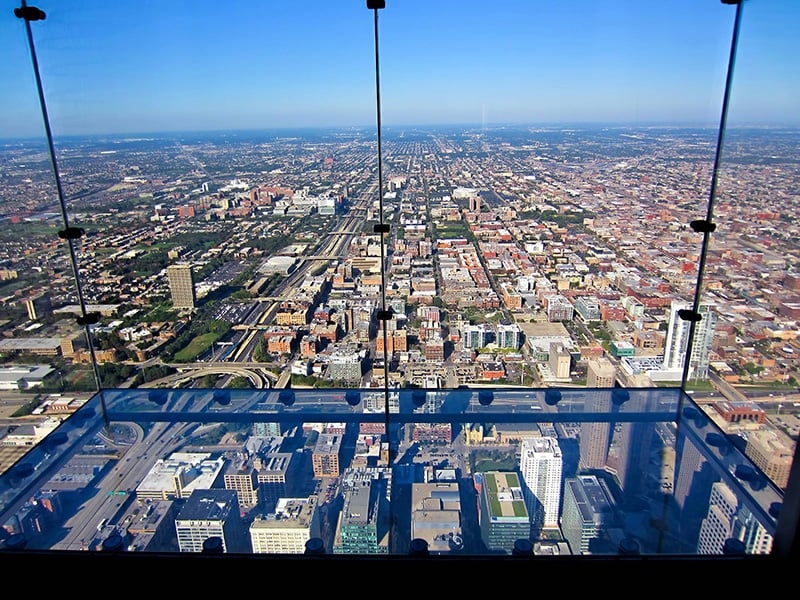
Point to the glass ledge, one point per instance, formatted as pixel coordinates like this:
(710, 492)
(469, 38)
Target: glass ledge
(487, 472)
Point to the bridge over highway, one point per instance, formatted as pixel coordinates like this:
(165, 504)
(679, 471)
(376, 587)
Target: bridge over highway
(258, 375)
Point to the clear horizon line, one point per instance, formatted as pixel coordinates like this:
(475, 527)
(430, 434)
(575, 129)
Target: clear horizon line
(422, 126)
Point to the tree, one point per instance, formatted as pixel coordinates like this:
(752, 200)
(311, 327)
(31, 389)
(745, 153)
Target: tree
(261, 354)
(209, 381)
(752, 368)
(240, 383)
(156, 372)
(113, 374)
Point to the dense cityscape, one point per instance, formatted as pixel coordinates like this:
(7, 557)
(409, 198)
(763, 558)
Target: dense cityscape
(524, 257)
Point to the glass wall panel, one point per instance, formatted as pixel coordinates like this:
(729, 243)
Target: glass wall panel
(46, 362)
(457, 472)
(198, 155)
(548, 162)
(752, 263)
(484, 232)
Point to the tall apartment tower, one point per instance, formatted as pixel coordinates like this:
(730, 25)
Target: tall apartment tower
(595, 436)
(475, 204)
(476, 336)
(540, 466)
(693, 479)
(560, 360)
(601, 373)
(210, 513)
(181, 285)
(677, 341)
(38, 306)
(727, 519)
(633, 442)
(509, 336)
(772, 454)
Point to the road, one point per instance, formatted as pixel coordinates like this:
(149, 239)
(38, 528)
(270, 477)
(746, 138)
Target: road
(133, 465)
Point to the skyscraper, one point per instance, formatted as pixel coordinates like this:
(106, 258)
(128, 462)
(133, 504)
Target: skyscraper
(181, 285)
(588, 513)
(772, 453)
(677, 341)
(540, 466)
(503, 515)
(633, 441)
(601, 373)
(287, 530)
(595, 435)
(363, 526)
(727, 518)
(210, 513)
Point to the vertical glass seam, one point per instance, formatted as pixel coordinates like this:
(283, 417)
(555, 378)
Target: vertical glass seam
(62, 203)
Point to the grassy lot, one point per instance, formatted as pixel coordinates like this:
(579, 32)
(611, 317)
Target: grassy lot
(196, 347)
(492, 460)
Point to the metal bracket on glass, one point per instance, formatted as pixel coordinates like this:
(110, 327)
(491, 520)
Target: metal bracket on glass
(376, 4)
(703, 226)
(71, 233)
(88, 319)
(689, 315)
(381, 228)
(731, 1)
(29, 13)
(385, 315)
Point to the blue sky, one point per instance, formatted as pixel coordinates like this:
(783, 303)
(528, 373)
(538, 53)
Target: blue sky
(146, 66)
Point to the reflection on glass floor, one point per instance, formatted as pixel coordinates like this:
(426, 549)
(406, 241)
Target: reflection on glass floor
(478, 472)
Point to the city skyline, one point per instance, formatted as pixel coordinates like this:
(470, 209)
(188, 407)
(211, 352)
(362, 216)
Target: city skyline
(510, 224)
(277, 328)
(121, 70)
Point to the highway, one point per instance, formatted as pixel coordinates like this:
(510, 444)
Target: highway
(116, 489)
(332, 246)
(237, 359)
(258, 375)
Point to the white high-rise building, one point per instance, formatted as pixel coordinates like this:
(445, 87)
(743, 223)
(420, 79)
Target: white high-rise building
(677, 340)
(728, 519)
(540, 465)
(476, 336)
(509, 336)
